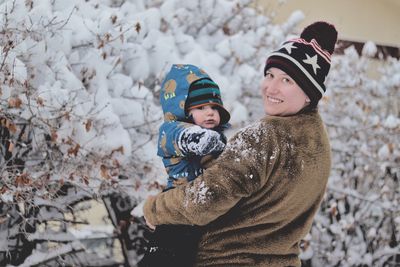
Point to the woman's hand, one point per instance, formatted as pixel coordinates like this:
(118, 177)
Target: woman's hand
(152, 227)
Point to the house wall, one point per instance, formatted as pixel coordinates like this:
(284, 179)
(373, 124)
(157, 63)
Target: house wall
(356, 20)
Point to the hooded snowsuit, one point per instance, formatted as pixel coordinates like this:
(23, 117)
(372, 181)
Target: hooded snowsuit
(259, 198)
(183, 146)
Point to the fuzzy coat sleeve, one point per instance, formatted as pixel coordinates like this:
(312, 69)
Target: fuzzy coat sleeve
(236, 174)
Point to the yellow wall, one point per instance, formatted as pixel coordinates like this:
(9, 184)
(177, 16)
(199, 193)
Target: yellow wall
(356, 20)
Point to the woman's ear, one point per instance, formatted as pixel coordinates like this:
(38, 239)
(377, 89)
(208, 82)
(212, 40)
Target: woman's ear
(308, 100)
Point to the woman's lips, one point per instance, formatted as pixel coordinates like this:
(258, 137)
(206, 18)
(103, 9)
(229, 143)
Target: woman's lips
(274, 99)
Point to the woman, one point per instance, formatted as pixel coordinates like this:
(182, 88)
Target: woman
(259, 198)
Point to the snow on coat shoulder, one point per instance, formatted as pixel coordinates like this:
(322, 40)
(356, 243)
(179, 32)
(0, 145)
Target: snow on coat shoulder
(241, 144)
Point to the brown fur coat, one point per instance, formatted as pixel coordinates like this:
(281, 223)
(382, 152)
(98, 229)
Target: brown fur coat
(259, 198)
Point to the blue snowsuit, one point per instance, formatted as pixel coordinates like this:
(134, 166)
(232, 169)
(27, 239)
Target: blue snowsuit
(182, 144)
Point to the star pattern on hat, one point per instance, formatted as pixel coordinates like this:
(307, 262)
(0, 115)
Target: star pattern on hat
(289, 46)
(313, 62)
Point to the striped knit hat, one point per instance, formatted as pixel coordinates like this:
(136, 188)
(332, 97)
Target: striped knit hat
(204, 92)
(307, 59)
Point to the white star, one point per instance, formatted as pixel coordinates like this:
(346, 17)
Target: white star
(313, 62)
(288, 47)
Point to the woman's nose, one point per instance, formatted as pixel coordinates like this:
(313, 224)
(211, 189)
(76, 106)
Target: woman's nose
(271, 86)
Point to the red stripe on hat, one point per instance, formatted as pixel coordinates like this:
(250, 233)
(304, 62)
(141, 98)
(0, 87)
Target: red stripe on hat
(324, 54)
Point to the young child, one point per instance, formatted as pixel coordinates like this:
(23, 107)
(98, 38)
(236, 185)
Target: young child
(194, 117)
(191, 135)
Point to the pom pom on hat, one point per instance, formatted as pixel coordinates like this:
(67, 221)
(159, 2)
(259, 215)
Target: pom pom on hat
(323, 32)
(307, 59)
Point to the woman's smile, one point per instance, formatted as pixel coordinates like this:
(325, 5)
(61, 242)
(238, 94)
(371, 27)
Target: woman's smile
(274, 99)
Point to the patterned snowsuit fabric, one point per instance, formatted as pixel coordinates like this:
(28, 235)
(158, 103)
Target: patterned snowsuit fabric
(179, 163)
(259, 198)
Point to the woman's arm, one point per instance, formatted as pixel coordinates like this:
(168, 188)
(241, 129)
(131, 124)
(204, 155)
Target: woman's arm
(237, 173)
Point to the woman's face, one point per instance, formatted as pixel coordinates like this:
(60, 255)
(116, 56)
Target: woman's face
(281, 94)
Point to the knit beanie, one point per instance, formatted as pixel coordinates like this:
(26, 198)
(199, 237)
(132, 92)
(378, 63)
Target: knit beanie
(204, 92)
(307, 59)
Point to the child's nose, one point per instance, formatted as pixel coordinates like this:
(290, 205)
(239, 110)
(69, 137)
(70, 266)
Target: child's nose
(210, 111)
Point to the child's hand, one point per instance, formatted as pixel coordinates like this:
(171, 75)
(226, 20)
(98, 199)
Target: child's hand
(200, 141)
(212, 143)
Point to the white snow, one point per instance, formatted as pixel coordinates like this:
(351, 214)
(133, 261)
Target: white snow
(369, 49)
(138, 210)
(392, 122)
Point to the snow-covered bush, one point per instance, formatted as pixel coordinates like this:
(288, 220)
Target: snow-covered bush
(359, 221)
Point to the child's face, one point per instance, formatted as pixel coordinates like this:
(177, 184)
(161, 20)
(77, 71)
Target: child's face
(281, 94)
(206, 116)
